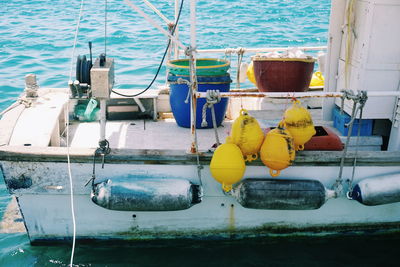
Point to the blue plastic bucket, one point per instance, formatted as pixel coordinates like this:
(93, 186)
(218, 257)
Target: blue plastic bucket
(179, 92)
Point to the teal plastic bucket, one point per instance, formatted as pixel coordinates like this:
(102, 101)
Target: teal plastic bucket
(204, 67)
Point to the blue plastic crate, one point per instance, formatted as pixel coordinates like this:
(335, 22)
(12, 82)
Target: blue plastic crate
(339, 121)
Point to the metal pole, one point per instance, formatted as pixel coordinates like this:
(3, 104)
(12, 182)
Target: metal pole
(176, 48)
(298, 94)
(152, 22)
(193, 77)
(167, 21)
(193, 23)
(193, 101)
(255, 50)
(171, 44)
(102, 119)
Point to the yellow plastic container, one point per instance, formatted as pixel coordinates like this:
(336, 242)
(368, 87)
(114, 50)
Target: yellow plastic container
(317, 79)
(227, 165)
(299, 123)
(247, 135)
(250, 74)
(277, 152)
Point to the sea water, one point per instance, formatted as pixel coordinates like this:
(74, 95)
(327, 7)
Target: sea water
(37, 37)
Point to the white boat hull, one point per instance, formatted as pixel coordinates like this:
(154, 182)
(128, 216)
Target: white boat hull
(45, 205)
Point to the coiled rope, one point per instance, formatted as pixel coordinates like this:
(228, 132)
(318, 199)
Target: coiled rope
(67, 130)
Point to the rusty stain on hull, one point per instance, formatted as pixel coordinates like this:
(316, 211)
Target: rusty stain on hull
(231, 218)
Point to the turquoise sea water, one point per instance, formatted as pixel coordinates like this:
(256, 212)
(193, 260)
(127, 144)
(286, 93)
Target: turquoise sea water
(37, 36)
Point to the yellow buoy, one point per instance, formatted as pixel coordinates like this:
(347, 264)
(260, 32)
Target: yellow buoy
(247, 135)
(277, 152)
(227, 165)
(250, 74)
(317, 79)
(299, 123)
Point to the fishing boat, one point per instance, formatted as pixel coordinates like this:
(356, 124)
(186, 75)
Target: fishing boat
(95, 163)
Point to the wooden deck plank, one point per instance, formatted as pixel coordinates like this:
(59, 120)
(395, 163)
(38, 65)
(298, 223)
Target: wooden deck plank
(144, 156)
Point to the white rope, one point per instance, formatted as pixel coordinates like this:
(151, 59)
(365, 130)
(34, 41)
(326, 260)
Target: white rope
(239, 62)
(76, 39)
(212, 97)
(68, 152)
(71, 192)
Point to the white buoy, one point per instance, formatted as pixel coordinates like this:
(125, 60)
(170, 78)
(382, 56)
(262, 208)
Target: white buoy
(243, 72)
(378, 190)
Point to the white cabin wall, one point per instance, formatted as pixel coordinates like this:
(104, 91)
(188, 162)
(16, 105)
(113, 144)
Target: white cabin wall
(373, 64)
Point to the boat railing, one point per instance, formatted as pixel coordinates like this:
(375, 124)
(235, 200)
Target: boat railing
(340, 94)
(240, 51)
(257, 50)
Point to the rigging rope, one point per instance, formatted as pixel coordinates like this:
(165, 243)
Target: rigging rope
(338, 186)
(359, 100)
(162, 60)
(350, 182)
(67, 141)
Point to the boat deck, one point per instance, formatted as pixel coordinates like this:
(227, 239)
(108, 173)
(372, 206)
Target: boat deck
(44, 120)
(144, 134)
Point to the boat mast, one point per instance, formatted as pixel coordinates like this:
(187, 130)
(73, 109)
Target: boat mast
(176, 33)
(193, 23)
(191, 53)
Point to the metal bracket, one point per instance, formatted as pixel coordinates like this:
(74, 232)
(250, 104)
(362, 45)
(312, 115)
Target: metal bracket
(396, 117)
(103, 150)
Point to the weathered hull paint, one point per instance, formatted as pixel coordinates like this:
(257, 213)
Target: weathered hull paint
(44, 204)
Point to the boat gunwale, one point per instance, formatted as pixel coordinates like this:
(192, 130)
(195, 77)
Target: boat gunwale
(181, 157)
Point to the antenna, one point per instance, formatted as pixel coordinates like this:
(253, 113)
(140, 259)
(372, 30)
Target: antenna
(105, 28)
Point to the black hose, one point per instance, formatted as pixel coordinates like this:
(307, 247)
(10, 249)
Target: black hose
(162, 60)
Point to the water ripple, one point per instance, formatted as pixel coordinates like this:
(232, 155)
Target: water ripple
(37, 35)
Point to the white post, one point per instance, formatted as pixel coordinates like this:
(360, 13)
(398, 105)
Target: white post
(193, 76)
(176, 47)
(102, 119)
(338, 11)
(167, 21)
(152, 22)
(193, 23)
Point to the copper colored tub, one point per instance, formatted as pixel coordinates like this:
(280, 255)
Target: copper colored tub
(283, 74)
